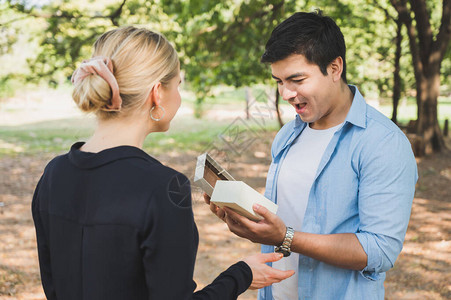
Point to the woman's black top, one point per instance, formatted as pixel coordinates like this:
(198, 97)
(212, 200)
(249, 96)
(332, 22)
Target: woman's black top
(119, 225)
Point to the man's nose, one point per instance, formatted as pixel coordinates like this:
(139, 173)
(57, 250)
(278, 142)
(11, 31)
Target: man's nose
(287, 94)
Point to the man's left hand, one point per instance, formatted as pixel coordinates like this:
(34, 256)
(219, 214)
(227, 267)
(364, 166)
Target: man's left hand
(269, 231)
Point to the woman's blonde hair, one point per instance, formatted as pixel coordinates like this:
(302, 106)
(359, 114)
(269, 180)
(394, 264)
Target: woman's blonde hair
(141, 58)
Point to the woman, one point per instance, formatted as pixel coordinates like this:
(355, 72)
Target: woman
(111, 221)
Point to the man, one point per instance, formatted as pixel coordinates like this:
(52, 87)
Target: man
(342, 174)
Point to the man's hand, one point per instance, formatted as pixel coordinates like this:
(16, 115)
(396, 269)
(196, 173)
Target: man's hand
(262, 274)
(269, 231)
(219, 212)
(342, 250)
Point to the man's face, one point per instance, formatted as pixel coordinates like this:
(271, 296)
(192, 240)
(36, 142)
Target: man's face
(307, 89)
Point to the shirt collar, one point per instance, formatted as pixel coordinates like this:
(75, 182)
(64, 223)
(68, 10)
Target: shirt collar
(89, 160)
(298, 122)
(355, 116)
(357, 112)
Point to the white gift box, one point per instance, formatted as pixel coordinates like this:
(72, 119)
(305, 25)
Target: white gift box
(240, 197)
(208, 171)
(225, 191)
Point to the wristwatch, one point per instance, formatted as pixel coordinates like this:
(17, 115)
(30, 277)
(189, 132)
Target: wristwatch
(286, 244)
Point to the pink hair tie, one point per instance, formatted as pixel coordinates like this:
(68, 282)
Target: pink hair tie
(102, 66)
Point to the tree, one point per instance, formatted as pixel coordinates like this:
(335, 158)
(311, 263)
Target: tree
(221, 42)
(397, 80)
(428, 52)
(13, 39)
(69, 32)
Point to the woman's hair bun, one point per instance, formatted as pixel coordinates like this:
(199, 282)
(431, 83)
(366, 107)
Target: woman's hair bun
(140, 57)
(92, 93)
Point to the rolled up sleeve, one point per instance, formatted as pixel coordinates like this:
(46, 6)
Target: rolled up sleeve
(388, 174)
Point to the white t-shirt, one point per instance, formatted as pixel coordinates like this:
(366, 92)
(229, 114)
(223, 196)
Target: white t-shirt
(296, 177)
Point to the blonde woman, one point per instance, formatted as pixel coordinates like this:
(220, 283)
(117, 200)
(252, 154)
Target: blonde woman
(111, 221)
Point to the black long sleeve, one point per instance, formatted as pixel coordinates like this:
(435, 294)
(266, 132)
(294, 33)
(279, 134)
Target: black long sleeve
(43, 247)
(175, 240)
(119, 225)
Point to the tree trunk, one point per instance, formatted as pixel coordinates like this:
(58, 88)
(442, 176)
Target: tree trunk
(427, 122)
(396, 75)
(427, 54)
(247, 95)
(445, 128)
(276, 101)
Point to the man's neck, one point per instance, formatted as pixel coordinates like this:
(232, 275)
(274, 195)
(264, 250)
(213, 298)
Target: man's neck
(343, 96)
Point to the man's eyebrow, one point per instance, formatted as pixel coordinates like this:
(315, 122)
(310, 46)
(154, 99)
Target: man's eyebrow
(291, 76)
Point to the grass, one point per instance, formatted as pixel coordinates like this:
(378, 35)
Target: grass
(408, 110)
(43, 137)
(57, 136)
(186, 132)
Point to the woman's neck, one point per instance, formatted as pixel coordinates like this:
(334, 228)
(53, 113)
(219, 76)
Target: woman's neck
(117, 132)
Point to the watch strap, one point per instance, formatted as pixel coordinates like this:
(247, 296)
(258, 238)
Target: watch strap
(286, 244)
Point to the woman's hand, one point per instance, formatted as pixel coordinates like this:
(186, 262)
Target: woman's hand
(264, 275)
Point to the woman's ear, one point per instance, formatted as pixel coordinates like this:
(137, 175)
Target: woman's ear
(336, 68)
(154, 96)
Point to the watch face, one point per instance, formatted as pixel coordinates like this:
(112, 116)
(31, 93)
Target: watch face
(283, 251)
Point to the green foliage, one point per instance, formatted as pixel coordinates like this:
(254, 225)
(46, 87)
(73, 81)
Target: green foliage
(68, 34)
(446, 69)
(219, 42)
(17, 44)
(223, 41)
(8, 34)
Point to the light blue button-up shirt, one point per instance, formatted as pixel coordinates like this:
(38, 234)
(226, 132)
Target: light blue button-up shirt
(364, 184)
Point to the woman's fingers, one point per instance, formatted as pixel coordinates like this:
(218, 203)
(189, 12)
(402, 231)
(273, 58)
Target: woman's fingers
(263, 275)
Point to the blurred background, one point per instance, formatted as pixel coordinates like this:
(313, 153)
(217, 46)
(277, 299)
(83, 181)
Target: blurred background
(398, 54)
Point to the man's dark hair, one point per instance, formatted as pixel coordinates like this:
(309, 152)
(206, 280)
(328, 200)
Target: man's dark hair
(313, 35)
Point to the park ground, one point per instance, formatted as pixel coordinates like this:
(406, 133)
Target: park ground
(31, 135)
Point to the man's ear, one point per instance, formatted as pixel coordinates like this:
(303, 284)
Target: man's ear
(336, 68)
(154, 96)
